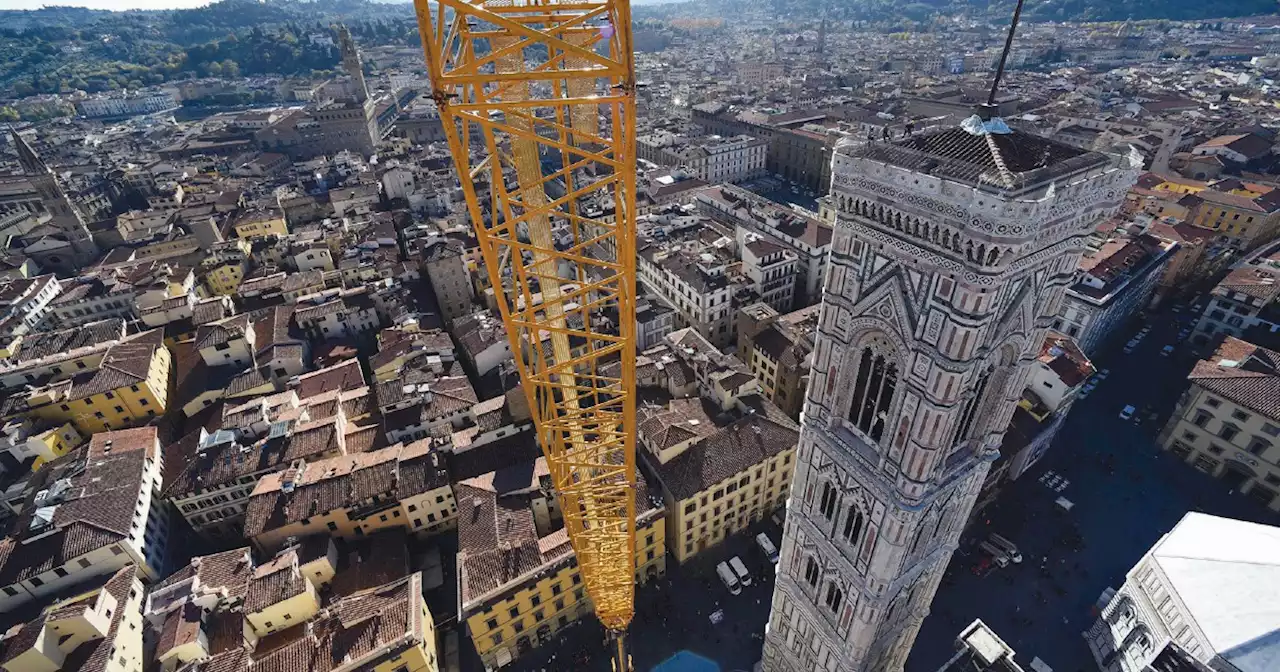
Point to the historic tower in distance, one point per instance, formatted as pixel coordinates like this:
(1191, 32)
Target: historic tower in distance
(64, 217)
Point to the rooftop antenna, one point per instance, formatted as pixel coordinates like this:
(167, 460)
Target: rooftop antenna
(988, 111)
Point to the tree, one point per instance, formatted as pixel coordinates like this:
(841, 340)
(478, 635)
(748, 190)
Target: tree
(9, 114)
(230, 69)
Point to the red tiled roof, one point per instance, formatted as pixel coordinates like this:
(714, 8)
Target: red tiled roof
(342, 376)
(1243, 372)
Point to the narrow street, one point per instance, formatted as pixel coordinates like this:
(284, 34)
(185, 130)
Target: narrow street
(1127, 493)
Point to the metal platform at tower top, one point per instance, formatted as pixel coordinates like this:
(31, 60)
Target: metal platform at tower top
(1003, 162)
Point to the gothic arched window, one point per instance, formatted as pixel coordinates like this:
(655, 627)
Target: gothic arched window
(971, 409)
(828, 503)
(811, 573)
(873, 391)
(834, 598)
(915, 543)
(852, 524)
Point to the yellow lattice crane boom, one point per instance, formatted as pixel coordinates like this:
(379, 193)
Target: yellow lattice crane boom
(537, 101)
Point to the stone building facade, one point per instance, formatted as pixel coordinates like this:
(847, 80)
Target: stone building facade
(951, 256)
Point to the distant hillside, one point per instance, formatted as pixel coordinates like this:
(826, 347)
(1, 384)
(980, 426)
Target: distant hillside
(889, 11)
(62, 49)
(59, 49)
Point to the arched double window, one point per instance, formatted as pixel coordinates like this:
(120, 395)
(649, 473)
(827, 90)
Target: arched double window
(827, 505)
(852, 524)
(873, 393)
(971, 409)
(811, 572)
(834, 598)
(999, 373)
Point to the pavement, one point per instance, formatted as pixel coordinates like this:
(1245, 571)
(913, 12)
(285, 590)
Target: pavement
(672, 615)
(1127, 494)
(779, 191)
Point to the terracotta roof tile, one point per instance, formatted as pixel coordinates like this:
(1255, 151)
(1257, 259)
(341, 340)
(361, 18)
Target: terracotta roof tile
(274, 582)
(125, 364)
(342, 376)
(1245, 373)
(95, 511)
(228, 570)
(728, 451)
(225, 330)
(498, 540)
(340, 482)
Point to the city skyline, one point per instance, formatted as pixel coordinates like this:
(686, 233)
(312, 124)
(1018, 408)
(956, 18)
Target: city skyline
(925, 378)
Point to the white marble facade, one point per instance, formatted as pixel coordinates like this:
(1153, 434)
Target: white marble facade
(937, 298)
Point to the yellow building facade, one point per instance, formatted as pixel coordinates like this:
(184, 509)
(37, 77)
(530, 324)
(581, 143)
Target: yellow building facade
(1244, 223)
(259, 224)
(223, 279)
(421, 654)
(130, 388)
(54, 442)
(1180, 185)
(424, 513)
(553, 597)
(702, 521)
(109, 613)
(286, 613)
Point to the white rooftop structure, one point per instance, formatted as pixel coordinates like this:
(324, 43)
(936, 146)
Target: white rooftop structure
(1208, 590)
(1227, 574)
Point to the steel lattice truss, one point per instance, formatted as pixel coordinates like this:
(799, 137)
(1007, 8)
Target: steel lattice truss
(548, 88)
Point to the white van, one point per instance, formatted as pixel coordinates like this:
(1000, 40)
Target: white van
(741, 570)
(766, 546)
(997, 554)
(729, 579)
(1007, 546)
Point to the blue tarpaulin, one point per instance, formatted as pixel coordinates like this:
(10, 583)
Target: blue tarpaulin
(686, 661)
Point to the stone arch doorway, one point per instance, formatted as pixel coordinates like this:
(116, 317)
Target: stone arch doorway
(1237, 473)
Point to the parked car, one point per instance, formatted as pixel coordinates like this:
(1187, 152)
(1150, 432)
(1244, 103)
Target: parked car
(1127, 412)
(729, 579)
(1166, 351)
(1104, 373)
(735, 563)
(998, 556)
(1007, 546)
(766, 546)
